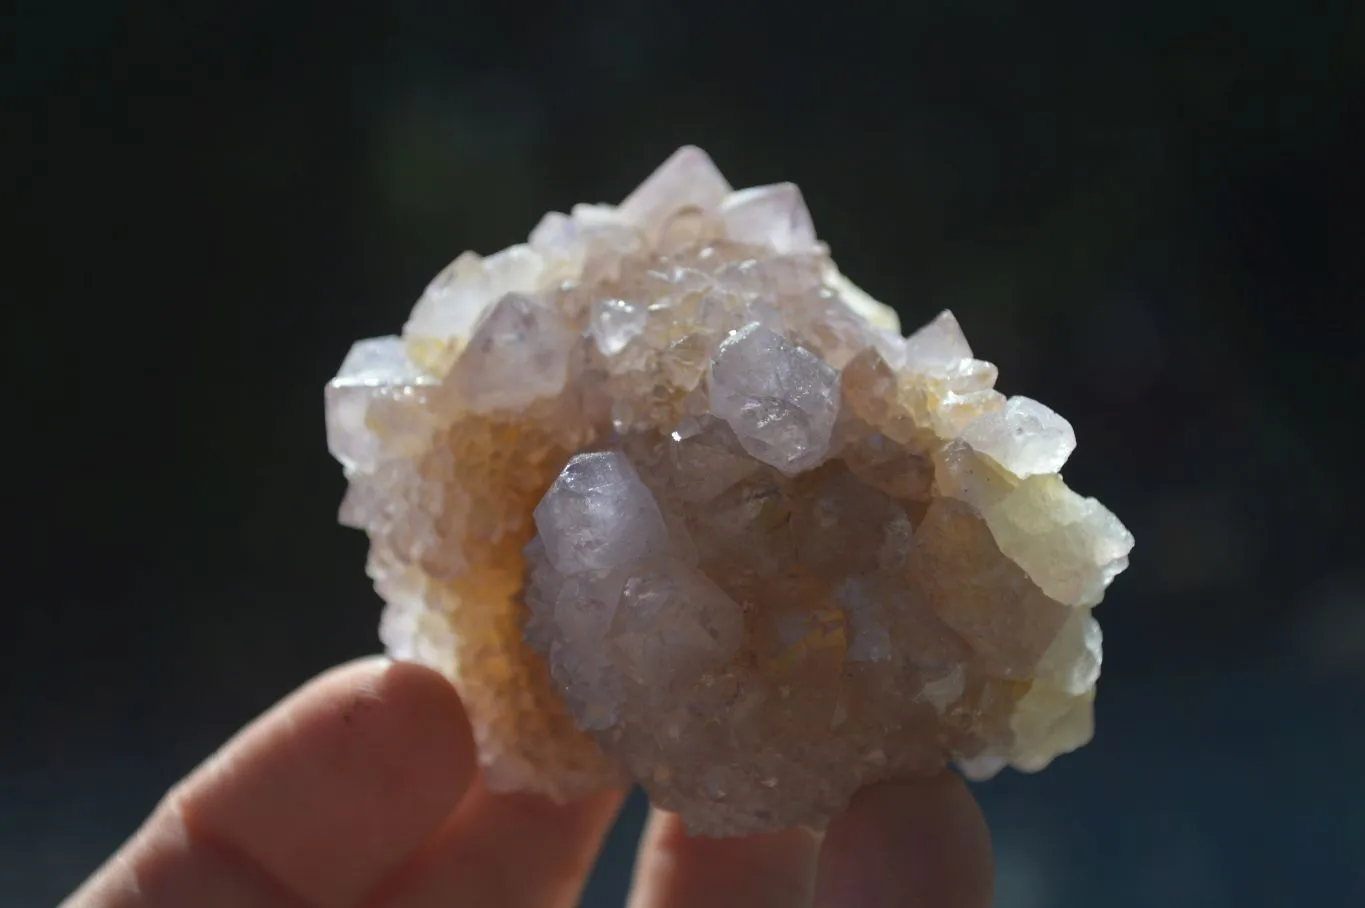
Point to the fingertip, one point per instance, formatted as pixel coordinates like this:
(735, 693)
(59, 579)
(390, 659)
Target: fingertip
(422, 714)
(510, 850)
(677, 870)
(911, 841)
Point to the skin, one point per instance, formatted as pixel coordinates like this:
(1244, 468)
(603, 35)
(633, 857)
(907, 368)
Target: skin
(361, 790)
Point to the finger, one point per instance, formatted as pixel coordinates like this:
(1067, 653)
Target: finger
(506, 851)
(675, 870)
(912, 842)
(338, 785)
(164, 866)
(314, 802)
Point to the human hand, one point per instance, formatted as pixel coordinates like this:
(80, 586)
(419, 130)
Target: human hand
(361, 789)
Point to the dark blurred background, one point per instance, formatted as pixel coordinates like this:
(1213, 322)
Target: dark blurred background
(1149, 215)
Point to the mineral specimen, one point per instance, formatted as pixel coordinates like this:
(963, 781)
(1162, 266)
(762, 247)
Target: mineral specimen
(672, 502)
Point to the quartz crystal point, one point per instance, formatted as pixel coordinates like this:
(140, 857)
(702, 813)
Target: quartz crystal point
(672, 502)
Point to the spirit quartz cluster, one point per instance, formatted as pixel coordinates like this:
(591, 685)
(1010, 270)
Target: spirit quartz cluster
(672, 502)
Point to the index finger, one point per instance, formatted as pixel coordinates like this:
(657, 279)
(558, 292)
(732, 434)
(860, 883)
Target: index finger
(314, 803)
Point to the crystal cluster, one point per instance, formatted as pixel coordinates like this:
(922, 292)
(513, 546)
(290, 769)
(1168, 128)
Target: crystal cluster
(672, 502)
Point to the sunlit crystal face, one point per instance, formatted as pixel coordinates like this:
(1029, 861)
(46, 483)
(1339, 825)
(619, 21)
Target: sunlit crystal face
(780, 400)
(671, 501)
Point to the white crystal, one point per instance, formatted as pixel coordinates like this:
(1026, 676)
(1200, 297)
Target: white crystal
(408, 628)
(1024, 437)
(781, 401)
(375, 380)
(688, 179)
(938, 347)
(519, 353)
(461, 293)
(614, 323)
(555, 235)
(377, 362)
(560, 242)
(983, 767)
(599, 515)
(773, 216)
(597, 215)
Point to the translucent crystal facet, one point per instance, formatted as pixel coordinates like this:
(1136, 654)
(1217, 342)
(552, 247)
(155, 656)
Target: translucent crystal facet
(939, 347)
(780, 400)
(1024, 437)
(672, 501)
(518, 354)
(599, 515)
(459, 295)
(377, 383)
(687, 181)
(774, 216)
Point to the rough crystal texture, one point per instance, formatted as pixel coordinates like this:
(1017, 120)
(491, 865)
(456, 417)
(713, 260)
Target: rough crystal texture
(672, 501)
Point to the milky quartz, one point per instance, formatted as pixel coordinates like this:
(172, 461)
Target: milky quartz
(672, 502)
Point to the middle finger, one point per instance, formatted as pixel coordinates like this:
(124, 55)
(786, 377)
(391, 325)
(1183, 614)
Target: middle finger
(507, 851)
(674, 870)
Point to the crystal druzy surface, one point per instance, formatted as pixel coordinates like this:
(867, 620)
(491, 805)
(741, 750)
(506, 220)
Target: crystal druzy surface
(671, 501)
